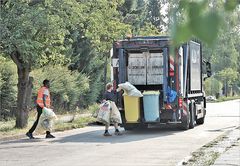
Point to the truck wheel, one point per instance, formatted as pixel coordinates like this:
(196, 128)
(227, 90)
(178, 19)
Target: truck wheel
(192, 109)
(185, 122)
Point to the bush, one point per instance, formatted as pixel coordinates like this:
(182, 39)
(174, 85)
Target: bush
(8, 88)
(66, 87)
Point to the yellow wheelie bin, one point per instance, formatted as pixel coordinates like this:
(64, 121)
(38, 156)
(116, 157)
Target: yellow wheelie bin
(132, 108)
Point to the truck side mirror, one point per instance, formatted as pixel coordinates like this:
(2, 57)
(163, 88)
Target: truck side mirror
(208, 69)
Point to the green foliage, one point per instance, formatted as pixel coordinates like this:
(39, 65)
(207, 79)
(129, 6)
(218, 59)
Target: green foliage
(96, 84)
(80, 33)
(36, 32)
(202, 21)
(224, 98)
(212, 86)
(228, 74)
(225, 52)
(231, 4)
(154, 14)
(1, 81)
(66, 87)
(149, 30)
(8, 91)
(102, 24)
(144, 17)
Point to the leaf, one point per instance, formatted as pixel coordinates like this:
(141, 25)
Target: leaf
(183, 33)
(196, 8)
(230, 5)
(183, 4)
(206, 27)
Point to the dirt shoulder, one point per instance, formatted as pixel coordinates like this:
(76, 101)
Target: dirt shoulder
(208, 154)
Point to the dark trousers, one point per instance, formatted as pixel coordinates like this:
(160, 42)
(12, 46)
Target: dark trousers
(39, 111)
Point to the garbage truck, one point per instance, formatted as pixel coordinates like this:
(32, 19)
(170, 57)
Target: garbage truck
(170, 79)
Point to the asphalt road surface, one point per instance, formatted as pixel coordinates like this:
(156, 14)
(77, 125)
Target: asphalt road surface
(151, 147)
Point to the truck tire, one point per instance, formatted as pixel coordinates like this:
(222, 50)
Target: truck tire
(185, 122)
(192, 109)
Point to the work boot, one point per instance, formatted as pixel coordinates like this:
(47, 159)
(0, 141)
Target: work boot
(49, 135)
(107, 134)
(30, 136)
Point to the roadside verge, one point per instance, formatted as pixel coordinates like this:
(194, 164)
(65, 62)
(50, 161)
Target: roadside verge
(210, 152)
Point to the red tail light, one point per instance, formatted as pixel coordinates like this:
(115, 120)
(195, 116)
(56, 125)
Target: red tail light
(180, 102)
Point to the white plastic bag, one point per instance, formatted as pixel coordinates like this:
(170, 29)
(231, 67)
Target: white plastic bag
(48, 113)
(46, 124)
(46, 119)
(104, 113)
(129, 89)
(115, 116)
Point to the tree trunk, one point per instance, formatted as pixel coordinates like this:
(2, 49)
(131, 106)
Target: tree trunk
(22, 98)
(226, 89)
(105, 72)
(24, 88)
(29, 93)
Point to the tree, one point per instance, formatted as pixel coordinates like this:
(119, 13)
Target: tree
(100, 26)
(225, 53)
(228, 76)
(32, 34)
(155, 13)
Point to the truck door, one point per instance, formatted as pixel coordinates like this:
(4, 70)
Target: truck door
(137, 68)
(155, 68)
(145, 68)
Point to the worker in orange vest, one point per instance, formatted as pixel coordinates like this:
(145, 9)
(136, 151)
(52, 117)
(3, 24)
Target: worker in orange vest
(43, 100)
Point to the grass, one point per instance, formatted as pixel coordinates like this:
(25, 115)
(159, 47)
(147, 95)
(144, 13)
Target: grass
(223, 98)
(7, 128)
(76, 123)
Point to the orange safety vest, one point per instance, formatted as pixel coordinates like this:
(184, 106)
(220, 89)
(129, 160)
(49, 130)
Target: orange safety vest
(40, 98)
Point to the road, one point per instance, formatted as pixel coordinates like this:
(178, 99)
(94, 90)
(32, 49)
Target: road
(152, 147)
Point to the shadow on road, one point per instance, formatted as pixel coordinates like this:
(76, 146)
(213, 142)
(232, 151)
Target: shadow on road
(22, 140)
(96, 136)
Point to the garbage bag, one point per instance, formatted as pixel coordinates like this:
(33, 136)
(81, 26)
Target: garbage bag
(48, 113)
(104, 113)
(171, 95)
(109, 113)
(129, 89)
(115, 116)
(47, 124)
(46, 119)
